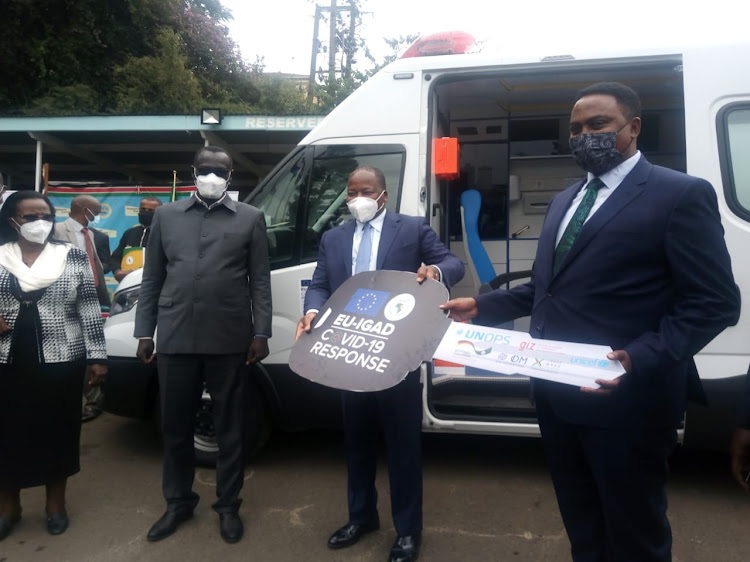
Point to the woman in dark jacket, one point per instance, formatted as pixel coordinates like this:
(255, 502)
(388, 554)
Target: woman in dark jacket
(50, 332)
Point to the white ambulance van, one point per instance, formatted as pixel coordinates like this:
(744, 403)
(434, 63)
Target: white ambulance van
(510, 118)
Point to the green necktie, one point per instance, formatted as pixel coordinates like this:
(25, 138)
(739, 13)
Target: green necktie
(576, 223)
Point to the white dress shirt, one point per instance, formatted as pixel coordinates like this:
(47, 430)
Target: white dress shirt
(611, 179)
(78, 229)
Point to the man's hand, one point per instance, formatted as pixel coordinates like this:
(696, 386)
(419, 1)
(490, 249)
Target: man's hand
(145, 350)
(258, 350)
(305, 324)
(120, 274)
(608, 387)
(4, 326)
(97, 374)
(741, 457)
(427, 272)
(461, 309)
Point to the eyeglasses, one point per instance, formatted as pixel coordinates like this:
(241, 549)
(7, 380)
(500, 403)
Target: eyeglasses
(31, 218)
(220, 172)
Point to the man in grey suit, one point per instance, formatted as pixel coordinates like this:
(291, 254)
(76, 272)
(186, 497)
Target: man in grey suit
(77, 230)
(206, 285)
(84, 214)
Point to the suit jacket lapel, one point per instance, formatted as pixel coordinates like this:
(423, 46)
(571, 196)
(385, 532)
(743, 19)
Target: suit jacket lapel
(391, 224)
(68, 234)
(347, 244)
(628, 190)
(548, 236)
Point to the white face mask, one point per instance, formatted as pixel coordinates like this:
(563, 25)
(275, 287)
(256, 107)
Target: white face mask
(35, 231)
(364, 209)
(210, 186)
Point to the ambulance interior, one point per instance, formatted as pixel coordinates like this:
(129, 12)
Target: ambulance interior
(513, 128)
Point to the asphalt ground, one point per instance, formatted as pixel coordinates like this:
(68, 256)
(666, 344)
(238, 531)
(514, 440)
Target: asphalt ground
(486, 498)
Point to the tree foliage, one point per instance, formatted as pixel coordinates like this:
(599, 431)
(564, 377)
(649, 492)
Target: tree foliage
(88, 57)
(68, 57)
(162, 83)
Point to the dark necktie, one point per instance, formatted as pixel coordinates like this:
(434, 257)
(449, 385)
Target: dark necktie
(90, 252)
(576, 223)
(365, 250)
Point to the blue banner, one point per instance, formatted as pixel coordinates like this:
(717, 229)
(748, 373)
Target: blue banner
(120, 207)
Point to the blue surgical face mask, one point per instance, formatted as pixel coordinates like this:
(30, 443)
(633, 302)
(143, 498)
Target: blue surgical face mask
(94, 221)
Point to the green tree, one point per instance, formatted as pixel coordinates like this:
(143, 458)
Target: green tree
(161, 83)
(77, 99)
(64, 57)
(86, 57)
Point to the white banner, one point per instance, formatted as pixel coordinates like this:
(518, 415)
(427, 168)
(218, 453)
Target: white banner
(510, 352)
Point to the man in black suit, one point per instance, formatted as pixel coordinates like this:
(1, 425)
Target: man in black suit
(135, 237)
(621, 261)
(207, 285)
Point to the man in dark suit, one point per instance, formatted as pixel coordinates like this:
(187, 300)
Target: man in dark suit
(741, 440)
(103, 251)
(206, 285)
(134, 237)
(633, 258)
(380, 240)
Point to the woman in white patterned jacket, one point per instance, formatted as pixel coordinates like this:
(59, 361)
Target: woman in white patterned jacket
(50, 330)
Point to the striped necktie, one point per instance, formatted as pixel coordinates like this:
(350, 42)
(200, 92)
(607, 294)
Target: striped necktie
(576, 223)
(365, 250)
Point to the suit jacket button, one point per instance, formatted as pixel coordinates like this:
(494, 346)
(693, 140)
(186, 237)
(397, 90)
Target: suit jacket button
(202, 254)
(204, 234)
(549, 295)
(197, 277)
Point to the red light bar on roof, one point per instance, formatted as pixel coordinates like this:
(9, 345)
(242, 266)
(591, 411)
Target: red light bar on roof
(443, 43)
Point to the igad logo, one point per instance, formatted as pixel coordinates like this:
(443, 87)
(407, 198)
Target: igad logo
(399, 307)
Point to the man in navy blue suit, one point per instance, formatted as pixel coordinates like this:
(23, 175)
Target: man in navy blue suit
(380, 240)
(634, 258)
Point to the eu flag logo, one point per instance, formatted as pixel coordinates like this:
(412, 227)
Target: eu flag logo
(366, 301)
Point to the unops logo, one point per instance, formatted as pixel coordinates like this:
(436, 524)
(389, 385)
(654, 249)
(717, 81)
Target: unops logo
(399, 307)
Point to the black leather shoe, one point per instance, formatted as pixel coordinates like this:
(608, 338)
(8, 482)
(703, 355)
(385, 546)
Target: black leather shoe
(167, 524)
(231, 527)
(351, 533)
(57, 523)
(89, 414)
(406, 549)
(7, 524)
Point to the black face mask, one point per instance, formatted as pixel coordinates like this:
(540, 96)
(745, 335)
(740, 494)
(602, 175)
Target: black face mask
(597, 152)
(145, 218)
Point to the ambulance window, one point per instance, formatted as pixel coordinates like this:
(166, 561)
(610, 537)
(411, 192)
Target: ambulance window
(279, 199)
(735, 157)
(326, 204)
